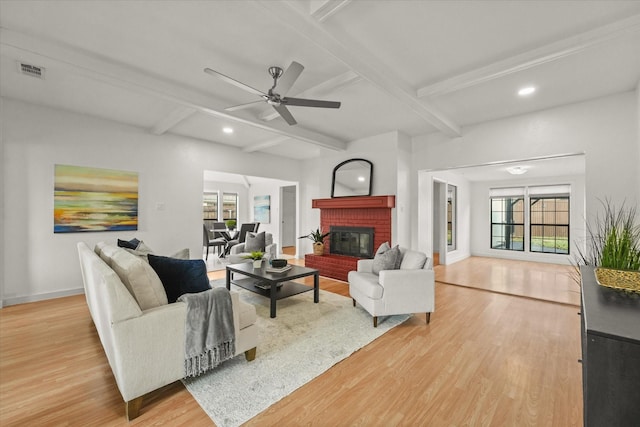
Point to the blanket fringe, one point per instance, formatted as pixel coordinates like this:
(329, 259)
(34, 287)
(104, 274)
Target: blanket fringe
(201, 363)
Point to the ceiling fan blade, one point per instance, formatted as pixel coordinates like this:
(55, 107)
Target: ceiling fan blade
(234, 82)
(285, 114)
(300, 102)
(289, 77)
(243, 106)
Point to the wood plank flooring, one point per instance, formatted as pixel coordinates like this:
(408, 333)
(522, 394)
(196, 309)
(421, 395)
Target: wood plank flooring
(485, 359)
(549, 282)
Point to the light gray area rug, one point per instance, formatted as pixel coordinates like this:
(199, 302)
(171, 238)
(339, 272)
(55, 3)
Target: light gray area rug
(303, 341)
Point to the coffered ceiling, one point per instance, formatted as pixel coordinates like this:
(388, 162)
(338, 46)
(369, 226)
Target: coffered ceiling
(414, 66)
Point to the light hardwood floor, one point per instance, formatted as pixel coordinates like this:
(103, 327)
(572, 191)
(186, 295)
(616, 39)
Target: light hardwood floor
(549, 282)
(485, 359)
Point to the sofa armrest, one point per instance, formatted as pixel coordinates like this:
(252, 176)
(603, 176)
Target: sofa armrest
(148, 351)
(365, 266)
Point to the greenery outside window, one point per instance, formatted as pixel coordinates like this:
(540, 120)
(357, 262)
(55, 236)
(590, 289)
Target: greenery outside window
(507, 223)
(549, 224)
(210, 206)
(230, 206)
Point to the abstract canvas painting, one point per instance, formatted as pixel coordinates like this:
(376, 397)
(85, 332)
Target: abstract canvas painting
(92, 199)
(262, 209)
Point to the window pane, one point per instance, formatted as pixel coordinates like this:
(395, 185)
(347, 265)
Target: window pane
(230, 206)
(210, 206)
(549, 225)
(507, 223)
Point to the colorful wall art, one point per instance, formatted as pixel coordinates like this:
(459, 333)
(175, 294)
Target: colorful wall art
(262, 209)
(91, 199)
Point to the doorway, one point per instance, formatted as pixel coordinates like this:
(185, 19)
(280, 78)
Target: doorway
(288, 220)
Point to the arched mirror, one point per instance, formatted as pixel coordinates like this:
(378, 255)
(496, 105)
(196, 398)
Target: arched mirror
(352, 178)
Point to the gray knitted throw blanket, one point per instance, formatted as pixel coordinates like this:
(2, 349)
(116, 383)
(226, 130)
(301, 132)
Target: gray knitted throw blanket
(209, 330)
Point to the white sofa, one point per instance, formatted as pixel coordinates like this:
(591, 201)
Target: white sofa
(409, 289)
(145, 346)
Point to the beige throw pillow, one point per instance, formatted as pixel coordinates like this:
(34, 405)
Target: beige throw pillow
(141, 280)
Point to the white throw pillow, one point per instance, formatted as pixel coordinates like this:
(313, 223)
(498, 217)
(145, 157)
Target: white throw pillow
(141, 280)
(413, 260)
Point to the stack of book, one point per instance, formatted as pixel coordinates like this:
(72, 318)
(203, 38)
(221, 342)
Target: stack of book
(278, 270)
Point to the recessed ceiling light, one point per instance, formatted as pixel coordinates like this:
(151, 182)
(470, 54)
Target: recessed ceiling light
(227, 130)
(526, 91)
(361, 178)
(517, 170)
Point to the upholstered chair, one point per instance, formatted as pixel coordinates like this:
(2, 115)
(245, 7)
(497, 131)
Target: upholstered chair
(407, 289)
(253, 243)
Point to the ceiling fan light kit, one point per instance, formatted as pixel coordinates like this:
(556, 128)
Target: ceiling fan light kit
(276, 99)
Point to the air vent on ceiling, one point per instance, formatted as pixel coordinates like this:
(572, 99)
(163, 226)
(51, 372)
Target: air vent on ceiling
(31, 70)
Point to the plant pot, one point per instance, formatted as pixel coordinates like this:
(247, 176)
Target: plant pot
(257, 263)
(318, 248)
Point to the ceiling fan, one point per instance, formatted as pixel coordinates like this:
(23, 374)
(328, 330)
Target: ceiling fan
(284, 81)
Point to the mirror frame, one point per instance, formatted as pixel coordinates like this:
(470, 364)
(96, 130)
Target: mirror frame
(333, 178)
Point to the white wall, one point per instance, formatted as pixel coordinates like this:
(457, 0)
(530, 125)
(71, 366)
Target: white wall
(481, 219)
(39, 264)
(605, 129)
(638, 134)
(2, 239)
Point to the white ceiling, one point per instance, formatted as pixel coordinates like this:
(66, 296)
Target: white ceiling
(414, 66)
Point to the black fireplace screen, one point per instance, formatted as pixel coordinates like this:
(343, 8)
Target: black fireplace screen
(352, 241)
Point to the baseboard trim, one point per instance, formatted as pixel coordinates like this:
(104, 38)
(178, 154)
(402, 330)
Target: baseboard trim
(6, 302)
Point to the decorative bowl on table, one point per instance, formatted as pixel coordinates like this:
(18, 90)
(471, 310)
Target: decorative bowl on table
(278, 263)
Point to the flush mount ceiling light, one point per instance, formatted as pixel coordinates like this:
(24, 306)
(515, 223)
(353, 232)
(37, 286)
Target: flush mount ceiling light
(227, 130)
(517, 170)
(526, 91)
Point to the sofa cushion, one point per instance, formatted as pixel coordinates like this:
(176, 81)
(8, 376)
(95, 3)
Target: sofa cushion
(140, 279)
(413, 260)
(246, 314)
(254, 242)
(385, 260)
(107, 252)
(180, 276)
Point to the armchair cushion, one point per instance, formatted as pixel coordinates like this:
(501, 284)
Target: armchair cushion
(180, 276)
(254, 242)
(387, 260)
(413, 260)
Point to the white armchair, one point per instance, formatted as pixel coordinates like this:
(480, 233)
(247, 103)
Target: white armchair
(239, 251)
(411, 289)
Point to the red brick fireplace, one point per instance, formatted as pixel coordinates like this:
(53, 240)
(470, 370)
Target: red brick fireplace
(361, 211)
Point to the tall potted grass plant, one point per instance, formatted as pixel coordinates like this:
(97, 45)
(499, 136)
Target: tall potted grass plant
(613, 243)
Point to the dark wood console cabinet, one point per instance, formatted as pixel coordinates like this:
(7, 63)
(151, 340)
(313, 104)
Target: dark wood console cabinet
(610, 355)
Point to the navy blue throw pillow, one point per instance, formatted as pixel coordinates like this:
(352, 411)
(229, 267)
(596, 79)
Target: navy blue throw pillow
(129, 244)
(180, 276)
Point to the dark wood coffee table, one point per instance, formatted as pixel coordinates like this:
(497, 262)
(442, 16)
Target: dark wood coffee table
(274, 286)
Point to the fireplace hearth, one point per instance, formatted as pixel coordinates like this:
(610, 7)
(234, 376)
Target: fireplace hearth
(352, 241)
